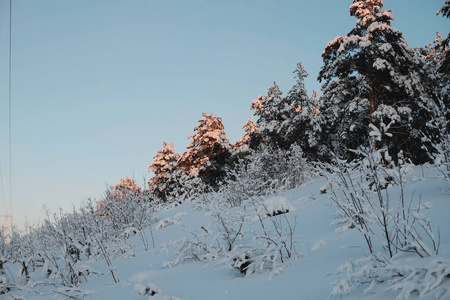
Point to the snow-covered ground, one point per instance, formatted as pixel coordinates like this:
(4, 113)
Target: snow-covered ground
(322, 250)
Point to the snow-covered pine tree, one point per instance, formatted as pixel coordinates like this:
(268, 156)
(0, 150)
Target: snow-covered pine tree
(298, 95)
(445, 9)
(272, 111)
(163, 166)
(443, 50)
(373, 83)
(436, 55)
(208, 151)
(297, 101)
(244, 141)
(300, 115)
(243, 148)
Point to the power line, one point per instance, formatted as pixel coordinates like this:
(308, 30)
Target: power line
(6, 228)
(3, 188)
(10, 109)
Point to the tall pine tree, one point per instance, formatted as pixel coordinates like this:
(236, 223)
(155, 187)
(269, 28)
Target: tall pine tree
(208, 152)
(272, 111)
(372, 86)
(442, 48)
(163, 166)
(250, 128)
(299, 126)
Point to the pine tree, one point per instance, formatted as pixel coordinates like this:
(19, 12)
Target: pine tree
(249, 129)
(373, 87)
(445, 9)
(436, 55)
(267, 109)
(443, 55)
(163, 166)
(209, 150)
(181, 186)
(272, 110)
(284, 121)
(298, 95)
(297, 101)
(300, 115)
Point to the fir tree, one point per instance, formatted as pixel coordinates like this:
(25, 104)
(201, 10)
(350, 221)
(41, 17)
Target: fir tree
(163, 166)
(443, 55)
(209, 150)
(249, 129)
(297, 102)
(267, 109)
(300, 116)
(436, 55)
(272, 110)
(445, 9)
(284, 121)
(298, 95)
(373, 86)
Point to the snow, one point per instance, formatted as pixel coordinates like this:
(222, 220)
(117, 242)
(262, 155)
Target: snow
(380, 64)
(277, 205)
(309, 277)
(318, 244)
(385, 47)
(169, 221)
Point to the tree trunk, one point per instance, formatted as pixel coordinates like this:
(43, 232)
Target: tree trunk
(373, 142)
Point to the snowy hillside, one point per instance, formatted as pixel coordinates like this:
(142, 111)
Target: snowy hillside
(309, 274)
(345, 195)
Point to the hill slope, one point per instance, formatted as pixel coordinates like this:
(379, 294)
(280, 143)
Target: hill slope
(320, 252)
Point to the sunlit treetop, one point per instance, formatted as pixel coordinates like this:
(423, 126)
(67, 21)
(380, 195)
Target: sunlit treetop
(127, 185)
(249, 127)
(209, 139)
(164, 162)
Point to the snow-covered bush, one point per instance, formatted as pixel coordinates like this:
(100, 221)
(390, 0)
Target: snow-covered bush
(371, 198)
(129, 211)
(362, 196)
(184, 187)
(214, 240)
(441, 143)
(5, 284)
(274, 206)
(250, 237)
(272, 244)
(54, 257)
(265, 172)
(170, 221)
(394, 275)
(244, 228)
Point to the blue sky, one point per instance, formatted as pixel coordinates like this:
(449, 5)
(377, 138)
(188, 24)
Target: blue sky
(97, 86)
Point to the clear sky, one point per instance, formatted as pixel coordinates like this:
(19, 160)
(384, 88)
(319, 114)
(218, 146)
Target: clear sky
(97, 86)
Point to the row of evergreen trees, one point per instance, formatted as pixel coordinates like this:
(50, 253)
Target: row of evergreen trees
(378, 92)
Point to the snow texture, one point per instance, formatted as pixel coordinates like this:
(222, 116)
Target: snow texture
(312, 276)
